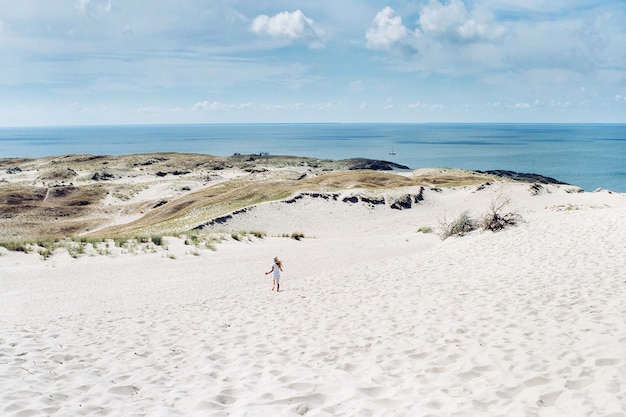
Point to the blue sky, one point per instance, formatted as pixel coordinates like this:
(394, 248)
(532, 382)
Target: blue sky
(68, 62)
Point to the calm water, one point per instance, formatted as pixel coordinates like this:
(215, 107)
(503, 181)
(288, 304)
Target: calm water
(587, 155)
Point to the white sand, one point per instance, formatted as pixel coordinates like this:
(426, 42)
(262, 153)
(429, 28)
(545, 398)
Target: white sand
(374, 318)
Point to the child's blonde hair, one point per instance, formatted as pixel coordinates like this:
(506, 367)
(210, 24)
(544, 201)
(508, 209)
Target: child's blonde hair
(278, 262)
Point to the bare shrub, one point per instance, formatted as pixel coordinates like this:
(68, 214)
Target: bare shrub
(536, 189)
(461, 226)
(258, 234)
(496, 219)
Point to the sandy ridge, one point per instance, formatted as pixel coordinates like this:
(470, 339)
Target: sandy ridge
(72, 195)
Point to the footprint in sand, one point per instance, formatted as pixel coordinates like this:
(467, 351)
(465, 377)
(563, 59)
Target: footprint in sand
(378, 391)
(456, 391)
(548, 400)
(538, 380)
(503, 395)
(60, 359)
(301, 386)
(607, 362)
(436, 370)
(301, 409)
(225, 399)
(419, 356)
(348, 367)
(124, 390)
(576, 384)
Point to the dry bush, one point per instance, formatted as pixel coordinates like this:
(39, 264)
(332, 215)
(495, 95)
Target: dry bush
(461, 226)
(496, 219)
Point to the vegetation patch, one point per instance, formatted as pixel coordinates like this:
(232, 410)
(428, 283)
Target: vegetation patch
(494, 219)
(460, 226)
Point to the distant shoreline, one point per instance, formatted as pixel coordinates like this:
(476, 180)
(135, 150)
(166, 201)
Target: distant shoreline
(9, 127)
(586, 155)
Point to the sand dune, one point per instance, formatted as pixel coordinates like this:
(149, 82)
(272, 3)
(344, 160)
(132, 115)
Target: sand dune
(374, 319)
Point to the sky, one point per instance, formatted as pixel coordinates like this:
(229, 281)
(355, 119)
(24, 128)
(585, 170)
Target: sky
(93, 62)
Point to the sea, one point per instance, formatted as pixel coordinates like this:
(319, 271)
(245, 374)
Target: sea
(590, 156)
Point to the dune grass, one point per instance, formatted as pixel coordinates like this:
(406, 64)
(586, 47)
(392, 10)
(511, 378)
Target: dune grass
(195, 208)
(58, 212)
(89, 246)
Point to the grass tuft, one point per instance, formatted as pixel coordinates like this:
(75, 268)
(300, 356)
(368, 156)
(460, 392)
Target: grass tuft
(461, 226)
(495, 219)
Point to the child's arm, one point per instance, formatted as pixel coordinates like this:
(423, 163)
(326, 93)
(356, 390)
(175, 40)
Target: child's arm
(270, 271)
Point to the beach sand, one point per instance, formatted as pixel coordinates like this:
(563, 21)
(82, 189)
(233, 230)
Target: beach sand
(373, 319)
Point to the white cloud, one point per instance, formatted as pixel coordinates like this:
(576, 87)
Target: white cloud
(219, 106)
(93, 8)
(437, 23)
(455, 23)
(424, 106)
(150, 109)
(387, 31)
(290, 25)
(212, 105)
(559, 104)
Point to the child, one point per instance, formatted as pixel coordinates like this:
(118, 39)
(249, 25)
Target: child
(277, 268)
